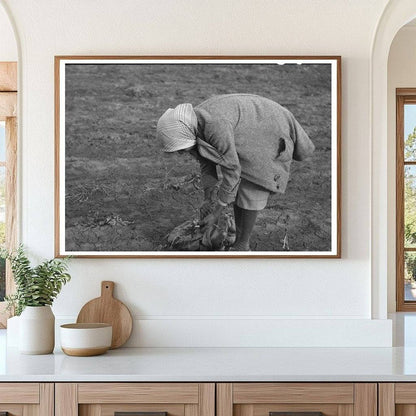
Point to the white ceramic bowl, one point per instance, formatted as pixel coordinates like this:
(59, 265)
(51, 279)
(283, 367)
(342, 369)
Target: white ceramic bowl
(84, 340)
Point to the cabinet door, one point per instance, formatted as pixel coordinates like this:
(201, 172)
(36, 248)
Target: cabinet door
(144, 399)
(297, 399)
(26, 399)
(397, 399)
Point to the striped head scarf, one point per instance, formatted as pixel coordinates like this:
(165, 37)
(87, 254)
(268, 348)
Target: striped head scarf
(177, 128)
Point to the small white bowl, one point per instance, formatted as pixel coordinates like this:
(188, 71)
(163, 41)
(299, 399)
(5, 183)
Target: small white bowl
(83, 340)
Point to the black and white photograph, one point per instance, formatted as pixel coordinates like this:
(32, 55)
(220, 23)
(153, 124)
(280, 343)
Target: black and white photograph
(197, 156)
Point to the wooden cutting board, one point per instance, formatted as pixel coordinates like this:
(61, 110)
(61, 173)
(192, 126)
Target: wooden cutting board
(107, 309)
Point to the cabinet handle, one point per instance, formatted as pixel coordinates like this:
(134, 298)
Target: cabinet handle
(296, 414)
(137, 414)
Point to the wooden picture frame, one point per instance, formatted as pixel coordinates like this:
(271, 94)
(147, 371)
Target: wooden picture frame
(106, 113)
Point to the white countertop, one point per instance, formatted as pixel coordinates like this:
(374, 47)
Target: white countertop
(213, 364)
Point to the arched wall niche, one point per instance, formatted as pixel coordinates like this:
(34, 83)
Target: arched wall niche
(396, 14)
(401, 74)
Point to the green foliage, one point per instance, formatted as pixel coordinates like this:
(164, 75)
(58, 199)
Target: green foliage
(35, 286)
(2, 279)
(410, 209)
(410, 192)
(410, 146)
(410, 206)
(2, 233)
(410, 266)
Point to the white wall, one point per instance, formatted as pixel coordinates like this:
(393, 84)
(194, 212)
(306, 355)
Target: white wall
(401, 74)
(8, 47)
(179, 302)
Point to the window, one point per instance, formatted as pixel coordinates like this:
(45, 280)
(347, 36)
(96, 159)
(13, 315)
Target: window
(8, 164)
(406, 199)
(2, 206)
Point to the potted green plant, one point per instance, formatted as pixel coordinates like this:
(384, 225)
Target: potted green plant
(36, 289)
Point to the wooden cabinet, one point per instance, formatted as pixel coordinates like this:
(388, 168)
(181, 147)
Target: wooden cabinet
(297, 399)
(208, 399)
(27, 399)
(397, 399)
(107, 399)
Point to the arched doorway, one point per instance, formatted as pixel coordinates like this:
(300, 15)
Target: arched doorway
(8, 148)
(396, 14)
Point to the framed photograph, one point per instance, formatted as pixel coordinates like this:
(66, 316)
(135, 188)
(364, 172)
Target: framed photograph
(196, 156)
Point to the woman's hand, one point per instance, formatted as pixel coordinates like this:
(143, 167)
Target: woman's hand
(206, 208)
(214, 214)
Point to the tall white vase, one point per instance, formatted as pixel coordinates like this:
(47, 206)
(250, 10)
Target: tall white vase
(37, 330)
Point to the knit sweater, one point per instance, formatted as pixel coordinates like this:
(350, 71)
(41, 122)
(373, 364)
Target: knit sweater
(250, 137)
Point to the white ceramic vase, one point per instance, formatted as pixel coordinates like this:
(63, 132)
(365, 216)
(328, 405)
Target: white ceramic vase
(37, 330)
